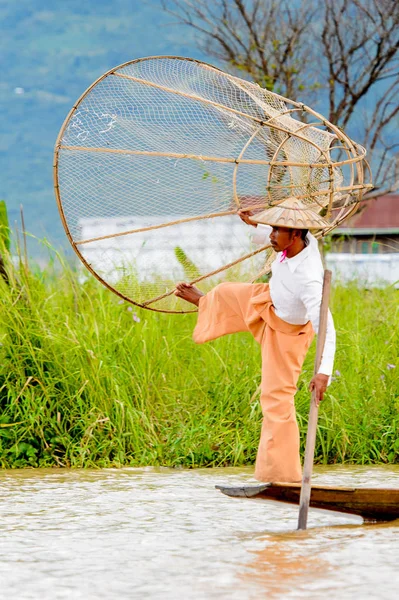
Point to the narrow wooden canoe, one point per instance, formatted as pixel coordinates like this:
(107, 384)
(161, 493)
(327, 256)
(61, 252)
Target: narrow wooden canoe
(373, 504)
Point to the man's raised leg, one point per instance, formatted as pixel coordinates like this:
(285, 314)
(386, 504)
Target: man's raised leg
(227, 309)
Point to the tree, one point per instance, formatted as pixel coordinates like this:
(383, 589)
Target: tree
(342, 55)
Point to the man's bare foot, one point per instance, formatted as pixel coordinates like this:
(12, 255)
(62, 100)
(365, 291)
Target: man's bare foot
(188, 292)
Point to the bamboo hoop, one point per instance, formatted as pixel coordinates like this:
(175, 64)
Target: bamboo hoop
(263, 122)
(237, 161)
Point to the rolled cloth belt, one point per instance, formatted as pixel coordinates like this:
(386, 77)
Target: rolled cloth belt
(263, 305)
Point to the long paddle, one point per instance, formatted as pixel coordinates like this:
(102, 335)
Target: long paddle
(314, 408)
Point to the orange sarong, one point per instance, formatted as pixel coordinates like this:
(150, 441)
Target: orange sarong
(234, 307)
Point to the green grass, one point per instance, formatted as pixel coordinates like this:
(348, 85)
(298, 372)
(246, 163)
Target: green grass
(84, 384)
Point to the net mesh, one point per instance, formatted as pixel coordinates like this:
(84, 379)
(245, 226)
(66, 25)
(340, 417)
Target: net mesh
(159, 154)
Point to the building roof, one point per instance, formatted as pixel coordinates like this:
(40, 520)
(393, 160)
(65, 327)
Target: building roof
(378, 216)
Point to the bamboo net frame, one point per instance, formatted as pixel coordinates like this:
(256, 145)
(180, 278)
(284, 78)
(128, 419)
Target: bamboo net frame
(160, 145)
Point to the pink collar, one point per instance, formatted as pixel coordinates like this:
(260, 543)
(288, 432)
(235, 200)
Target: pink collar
(284, 253)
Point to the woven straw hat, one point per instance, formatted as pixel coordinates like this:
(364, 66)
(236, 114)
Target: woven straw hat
(291, 213)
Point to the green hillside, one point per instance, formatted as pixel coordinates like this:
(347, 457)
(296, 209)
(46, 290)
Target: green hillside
(51, 51)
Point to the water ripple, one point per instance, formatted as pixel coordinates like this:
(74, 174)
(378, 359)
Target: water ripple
(161, 533)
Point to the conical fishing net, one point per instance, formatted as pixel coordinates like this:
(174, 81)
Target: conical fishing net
(156, 158)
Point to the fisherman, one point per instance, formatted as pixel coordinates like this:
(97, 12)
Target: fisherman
(283, 317)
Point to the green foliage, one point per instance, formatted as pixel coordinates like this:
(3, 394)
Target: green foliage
(4, 227)
(86, 381)
(190, 270)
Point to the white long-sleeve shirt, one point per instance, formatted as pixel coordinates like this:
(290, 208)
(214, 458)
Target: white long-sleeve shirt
(296, 288)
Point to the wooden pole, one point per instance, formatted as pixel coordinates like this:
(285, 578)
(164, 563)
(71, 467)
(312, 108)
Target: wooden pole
(314, 408)
(224, 159)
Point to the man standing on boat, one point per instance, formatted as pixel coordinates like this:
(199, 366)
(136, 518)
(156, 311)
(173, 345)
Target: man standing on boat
(283, 318)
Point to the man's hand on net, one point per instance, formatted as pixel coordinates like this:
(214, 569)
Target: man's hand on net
(245, 216)
(319, 385)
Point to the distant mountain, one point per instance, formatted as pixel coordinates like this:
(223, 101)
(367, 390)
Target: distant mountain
(51, 51)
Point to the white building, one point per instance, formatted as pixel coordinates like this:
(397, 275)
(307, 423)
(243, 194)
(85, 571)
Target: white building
(207, 244)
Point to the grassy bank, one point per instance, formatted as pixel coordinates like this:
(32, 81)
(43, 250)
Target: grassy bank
(87, 380)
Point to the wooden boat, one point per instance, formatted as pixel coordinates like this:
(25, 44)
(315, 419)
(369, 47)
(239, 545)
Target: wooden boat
(373, 504)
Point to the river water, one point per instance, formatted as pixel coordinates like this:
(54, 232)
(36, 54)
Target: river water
(168, 534)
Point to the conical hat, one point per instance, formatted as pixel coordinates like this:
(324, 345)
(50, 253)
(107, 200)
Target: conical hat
(291, 213)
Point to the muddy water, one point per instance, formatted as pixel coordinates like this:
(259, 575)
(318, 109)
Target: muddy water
(152, 534)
